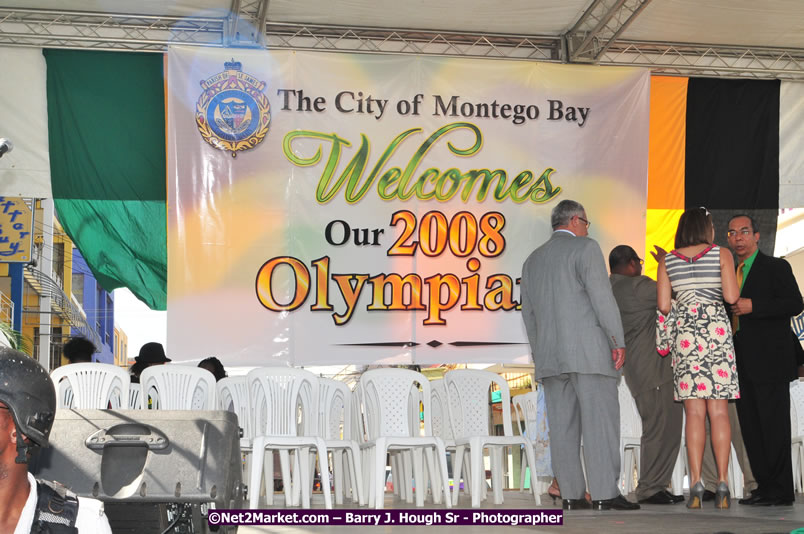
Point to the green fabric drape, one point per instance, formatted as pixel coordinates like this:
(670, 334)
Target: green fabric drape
(106, 120)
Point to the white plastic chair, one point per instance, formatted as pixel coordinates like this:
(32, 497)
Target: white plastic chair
(278, 397)
(178, 387)
(442, 425)
(233, 397)
(387, 417)
(526, 407)
(797, 432)
(630, 437)
(335, 426)
(135, 397)
(88, 386)
(468, 391)
(403, 468)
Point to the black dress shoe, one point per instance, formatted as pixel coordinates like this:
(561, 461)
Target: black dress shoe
(752, 499)
(617, 503)
(575, 504)
(709, 495)
(773, 501)
(662, 497)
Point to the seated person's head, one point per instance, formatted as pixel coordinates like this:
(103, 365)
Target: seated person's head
(152, 353)
(214, 366)
(79, 350)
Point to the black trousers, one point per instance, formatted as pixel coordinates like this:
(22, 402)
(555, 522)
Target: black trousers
(764, 412)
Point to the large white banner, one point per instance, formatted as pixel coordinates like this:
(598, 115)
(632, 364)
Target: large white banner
(338, 208)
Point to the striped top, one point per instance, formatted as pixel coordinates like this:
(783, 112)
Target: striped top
(696, 278)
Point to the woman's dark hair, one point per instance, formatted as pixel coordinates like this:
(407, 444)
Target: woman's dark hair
(694, 228)
(214, 366)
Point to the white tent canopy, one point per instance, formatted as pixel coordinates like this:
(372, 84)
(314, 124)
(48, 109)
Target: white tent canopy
(743, 38)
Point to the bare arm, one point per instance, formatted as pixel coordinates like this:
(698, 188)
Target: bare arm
(731, 291)
(663, 289)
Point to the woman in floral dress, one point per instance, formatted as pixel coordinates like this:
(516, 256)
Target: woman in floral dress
(702, 275)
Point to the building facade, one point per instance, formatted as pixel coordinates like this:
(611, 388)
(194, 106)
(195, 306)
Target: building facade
(53, 295)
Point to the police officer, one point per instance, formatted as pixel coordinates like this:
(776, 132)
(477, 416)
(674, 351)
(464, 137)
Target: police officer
(27, 409)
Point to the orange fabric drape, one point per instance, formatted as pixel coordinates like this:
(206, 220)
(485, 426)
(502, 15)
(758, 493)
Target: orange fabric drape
(666, 161)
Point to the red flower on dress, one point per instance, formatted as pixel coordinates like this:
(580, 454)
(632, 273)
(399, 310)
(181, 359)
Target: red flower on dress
(722, 373)
(685, 344)
(701, 387)
(720, 331)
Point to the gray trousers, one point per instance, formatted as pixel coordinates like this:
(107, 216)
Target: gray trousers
(661, 438)
(584, 405)
(709, 467)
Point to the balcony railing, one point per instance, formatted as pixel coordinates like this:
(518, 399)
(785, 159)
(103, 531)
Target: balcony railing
(6, 309)
(61, 304)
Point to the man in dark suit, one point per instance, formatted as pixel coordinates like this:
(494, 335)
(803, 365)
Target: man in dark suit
(648, 376)
(766, 362)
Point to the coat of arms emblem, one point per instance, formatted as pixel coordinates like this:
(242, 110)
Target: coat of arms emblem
(233, 112)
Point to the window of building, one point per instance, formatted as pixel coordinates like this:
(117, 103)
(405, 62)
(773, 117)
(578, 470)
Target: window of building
(58, 262)
(78, 287)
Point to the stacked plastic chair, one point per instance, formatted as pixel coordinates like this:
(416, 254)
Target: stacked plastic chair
(87, 386)
(468, 391)
(387, 399)
(278, 396)
(178, 387)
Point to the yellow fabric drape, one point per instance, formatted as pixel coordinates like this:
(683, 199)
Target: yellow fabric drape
(668, 124)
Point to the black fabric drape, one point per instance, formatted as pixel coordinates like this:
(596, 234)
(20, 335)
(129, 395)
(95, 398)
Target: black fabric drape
(732, 152)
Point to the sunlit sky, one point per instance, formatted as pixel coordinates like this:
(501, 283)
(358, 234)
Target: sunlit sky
(140, 323)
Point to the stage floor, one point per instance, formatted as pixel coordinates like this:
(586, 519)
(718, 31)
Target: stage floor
(652, 519)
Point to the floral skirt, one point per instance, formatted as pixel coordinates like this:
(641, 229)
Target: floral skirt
(698, 336)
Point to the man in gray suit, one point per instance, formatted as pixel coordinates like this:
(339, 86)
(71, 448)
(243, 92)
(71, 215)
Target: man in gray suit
(649, 377)
(577, 344)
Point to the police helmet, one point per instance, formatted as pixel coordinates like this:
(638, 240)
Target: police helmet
(28, 392)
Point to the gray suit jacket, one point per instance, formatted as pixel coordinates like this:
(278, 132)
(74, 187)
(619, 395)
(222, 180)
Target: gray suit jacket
(636, 298)
(570, 314)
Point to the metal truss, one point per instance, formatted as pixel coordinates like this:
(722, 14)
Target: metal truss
(594, 39)
(105, 31)
(399, 41)
(244, 26)
(599, 26)
(708, 60)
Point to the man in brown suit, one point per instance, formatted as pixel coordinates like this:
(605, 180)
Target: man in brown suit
(649, 377)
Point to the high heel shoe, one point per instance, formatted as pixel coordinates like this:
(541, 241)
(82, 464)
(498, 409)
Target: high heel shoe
(696, 495)
(554, 492)
(722, 496)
